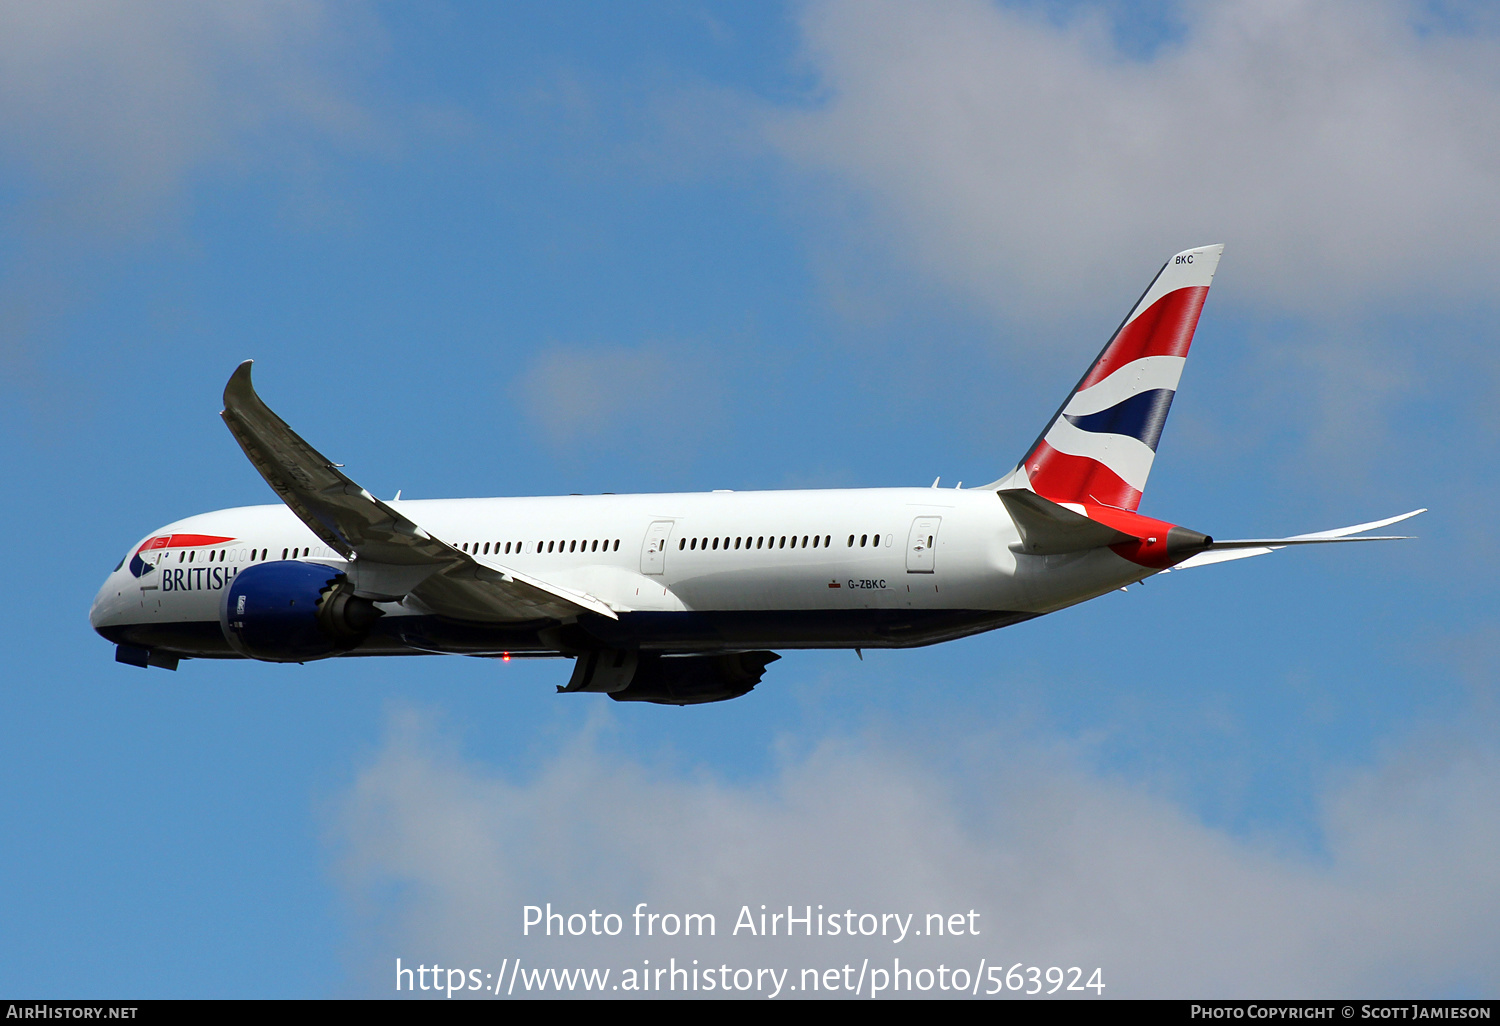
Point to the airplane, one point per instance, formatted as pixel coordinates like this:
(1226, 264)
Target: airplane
(680, 599)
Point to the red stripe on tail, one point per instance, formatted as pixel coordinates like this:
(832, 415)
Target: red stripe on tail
(1163, 329)
(1064, 478)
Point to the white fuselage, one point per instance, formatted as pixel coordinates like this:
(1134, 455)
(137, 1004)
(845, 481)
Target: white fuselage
(792, 569)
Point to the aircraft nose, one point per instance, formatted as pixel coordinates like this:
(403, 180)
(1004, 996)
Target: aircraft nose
(108, 605)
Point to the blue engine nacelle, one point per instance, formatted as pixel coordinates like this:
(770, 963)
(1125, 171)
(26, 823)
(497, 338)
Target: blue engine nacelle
(289, 611)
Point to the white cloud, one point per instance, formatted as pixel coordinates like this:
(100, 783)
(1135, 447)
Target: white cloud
(1344, 156)
(112, 112)
(622, 397)
(1065, 867)
(112, 107)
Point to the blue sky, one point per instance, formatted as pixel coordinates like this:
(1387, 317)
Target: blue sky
(539, 249)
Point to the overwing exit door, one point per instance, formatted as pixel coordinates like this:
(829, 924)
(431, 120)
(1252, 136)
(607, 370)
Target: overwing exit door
(654, 548)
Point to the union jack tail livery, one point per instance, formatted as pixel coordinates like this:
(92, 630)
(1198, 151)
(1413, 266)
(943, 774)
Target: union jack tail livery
(1099, 446)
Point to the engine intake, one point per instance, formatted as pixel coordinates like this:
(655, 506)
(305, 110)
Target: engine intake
(289, 611)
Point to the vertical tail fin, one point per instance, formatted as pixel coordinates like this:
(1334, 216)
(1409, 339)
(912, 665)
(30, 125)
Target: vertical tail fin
(1100, 444)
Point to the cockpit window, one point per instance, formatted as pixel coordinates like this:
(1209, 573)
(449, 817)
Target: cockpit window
(120, 563)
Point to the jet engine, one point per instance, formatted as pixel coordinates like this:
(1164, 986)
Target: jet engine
(693, 680)
(289, 611)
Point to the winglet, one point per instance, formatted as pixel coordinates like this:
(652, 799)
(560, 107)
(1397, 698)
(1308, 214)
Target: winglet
(239, 386)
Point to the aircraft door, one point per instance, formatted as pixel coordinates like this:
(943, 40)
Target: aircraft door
(150, 583)
(921, 545)
(654, 548)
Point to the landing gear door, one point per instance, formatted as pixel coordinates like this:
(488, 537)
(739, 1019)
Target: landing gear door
(921, 545)
(654, 548)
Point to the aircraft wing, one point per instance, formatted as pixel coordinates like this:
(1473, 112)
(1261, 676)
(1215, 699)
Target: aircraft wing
(1222, 551)
(392, 557)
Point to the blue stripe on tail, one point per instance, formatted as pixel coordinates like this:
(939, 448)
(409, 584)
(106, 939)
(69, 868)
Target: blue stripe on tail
(1141, 416)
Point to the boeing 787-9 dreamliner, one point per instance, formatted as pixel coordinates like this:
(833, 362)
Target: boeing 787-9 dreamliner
(679, 598)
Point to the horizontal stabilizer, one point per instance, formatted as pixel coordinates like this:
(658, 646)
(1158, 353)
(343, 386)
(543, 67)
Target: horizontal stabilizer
(1242, 548)
(1047, 528)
